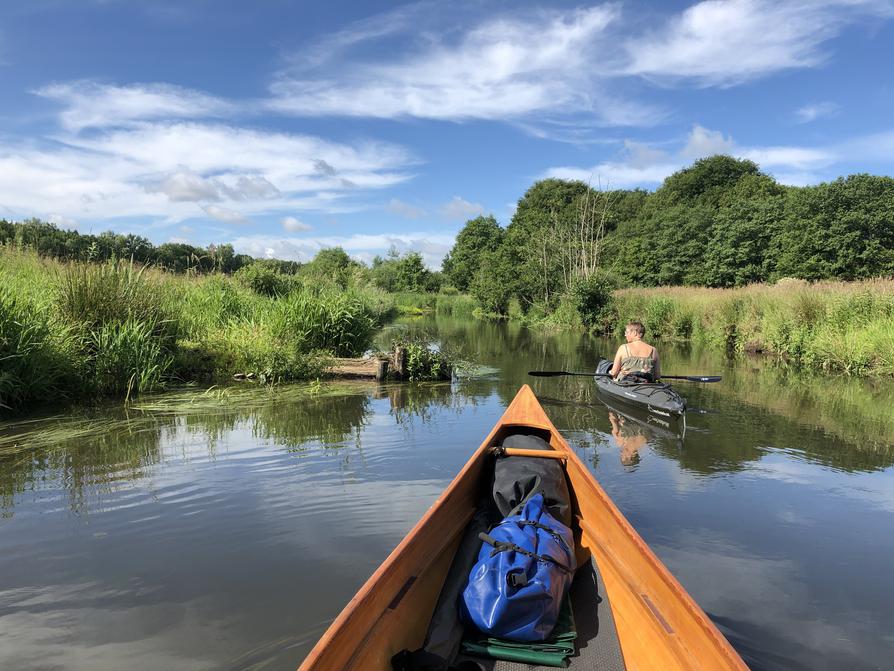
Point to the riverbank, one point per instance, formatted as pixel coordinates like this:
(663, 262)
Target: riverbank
(843, 327)
(76, 331)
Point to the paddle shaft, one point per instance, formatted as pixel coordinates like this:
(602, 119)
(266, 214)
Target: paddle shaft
(688, 378)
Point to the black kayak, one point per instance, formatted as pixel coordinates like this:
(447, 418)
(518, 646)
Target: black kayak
(656, 397)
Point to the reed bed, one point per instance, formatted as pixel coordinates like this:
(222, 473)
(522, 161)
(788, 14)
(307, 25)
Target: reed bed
(70, 330)
(844, 327)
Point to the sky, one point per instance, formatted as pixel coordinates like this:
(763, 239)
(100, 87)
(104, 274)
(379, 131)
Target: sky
(283, 127)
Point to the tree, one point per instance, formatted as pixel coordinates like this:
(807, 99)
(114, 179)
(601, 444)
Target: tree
(532, 238)
(331, 263)
(839, 230)
(707, 178)
(477, 237)
(411, 273)
(492, 286)
(740, 250)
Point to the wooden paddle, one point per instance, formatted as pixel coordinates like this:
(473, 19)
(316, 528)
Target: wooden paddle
(688, 378)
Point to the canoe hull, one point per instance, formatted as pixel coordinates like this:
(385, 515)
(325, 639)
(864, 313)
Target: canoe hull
(659, 625)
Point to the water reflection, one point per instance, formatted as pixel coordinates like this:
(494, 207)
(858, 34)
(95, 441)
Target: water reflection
(225, 529)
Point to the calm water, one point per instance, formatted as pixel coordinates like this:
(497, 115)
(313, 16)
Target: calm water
(226, 530)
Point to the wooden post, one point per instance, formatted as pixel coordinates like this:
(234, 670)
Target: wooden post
(381, 369)
(400, 362)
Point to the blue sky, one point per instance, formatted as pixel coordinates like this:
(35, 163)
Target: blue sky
(283, 127)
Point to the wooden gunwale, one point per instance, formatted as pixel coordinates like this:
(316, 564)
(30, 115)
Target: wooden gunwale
(659, 624)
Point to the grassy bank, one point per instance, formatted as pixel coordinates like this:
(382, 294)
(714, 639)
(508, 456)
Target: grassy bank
(835, 326)
(76, 331)
(445, 303)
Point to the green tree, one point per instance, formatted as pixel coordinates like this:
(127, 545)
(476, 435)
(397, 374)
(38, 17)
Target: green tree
(333, 264)
(707, 178)
(478, 237)
(533, 236)
(839, 230)
(411, 273)
(740, 250)
(492, 285)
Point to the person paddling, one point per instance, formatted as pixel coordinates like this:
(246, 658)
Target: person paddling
(636, 360)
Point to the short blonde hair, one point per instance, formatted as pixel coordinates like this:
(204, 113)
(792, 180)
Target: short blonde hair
(636, 327)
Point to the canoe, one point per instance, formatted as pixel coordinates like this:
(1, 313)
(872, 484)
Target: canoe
(658, 398)
(640, 605)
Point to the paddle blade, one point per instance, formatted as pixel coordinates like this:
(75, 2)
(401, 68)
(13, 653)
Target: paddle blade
(704, 378)
(546, 373)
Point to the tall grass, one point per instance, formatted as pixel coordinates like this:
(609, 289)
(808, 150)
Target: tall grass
(835, 326)
(87, 330)
(32, 363)
(340, 322)
(455, 305)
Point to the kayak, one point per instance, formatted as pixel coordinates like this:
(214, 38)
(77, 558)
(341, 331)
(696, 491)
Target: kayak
(656, 397)
(652, 425)
(629, 611)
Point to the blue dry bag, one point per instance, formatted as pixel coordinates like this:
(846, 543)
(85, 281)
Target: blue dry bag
(524, 570)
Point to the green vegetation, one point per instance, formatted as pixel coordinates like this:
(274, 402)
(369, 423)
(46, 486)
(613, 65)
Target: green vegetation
(83, 330)
(424, 361)
(834, 326)
(720, 223)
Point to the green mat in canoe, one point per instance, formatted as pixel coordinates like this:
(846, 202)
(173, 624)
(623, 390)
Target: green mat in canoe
(554, 651)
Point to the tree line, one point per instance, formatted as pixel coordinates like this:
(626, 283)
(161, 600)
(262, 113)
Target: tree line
(393, 272)
(721, 222)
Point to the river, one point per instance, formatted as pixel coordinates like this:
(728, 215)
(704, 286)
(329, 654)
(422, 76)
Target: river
(226, 529)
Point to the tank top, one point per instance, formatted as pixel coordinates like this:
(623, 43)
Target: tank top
(637, 364)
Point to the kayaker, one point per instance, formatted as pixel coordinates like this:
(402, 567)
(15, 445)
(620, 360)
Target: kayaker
(636, 358)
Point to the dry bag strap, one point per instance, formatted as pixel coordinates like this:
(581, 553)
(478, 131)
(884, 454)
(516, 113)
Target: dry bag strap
(502, 546)
(552, 532)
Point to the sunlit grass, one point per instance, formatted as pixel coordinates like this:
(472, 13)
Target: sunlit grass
(73, 330)
(834, 326)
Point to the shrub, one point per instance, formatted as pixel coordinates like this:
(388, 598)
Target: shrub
(264, 279)
(424, 362)
(660, 314)
(594, 301)
(253, 347)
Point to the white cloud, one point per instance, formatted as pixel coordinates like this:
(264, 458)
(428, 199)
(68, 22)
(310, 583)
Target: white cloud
(161, 169)
(406, 210)
(225, 214)
(186, 186)
(502, 68)
(459, 208)
(556, 74)
(61, 220)
(641, 164)
(92, 104)
(726, 42)
(703, 142)
(789, 158)
(363, 247)
(615, 175)
(294, 225)
(816, 111)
